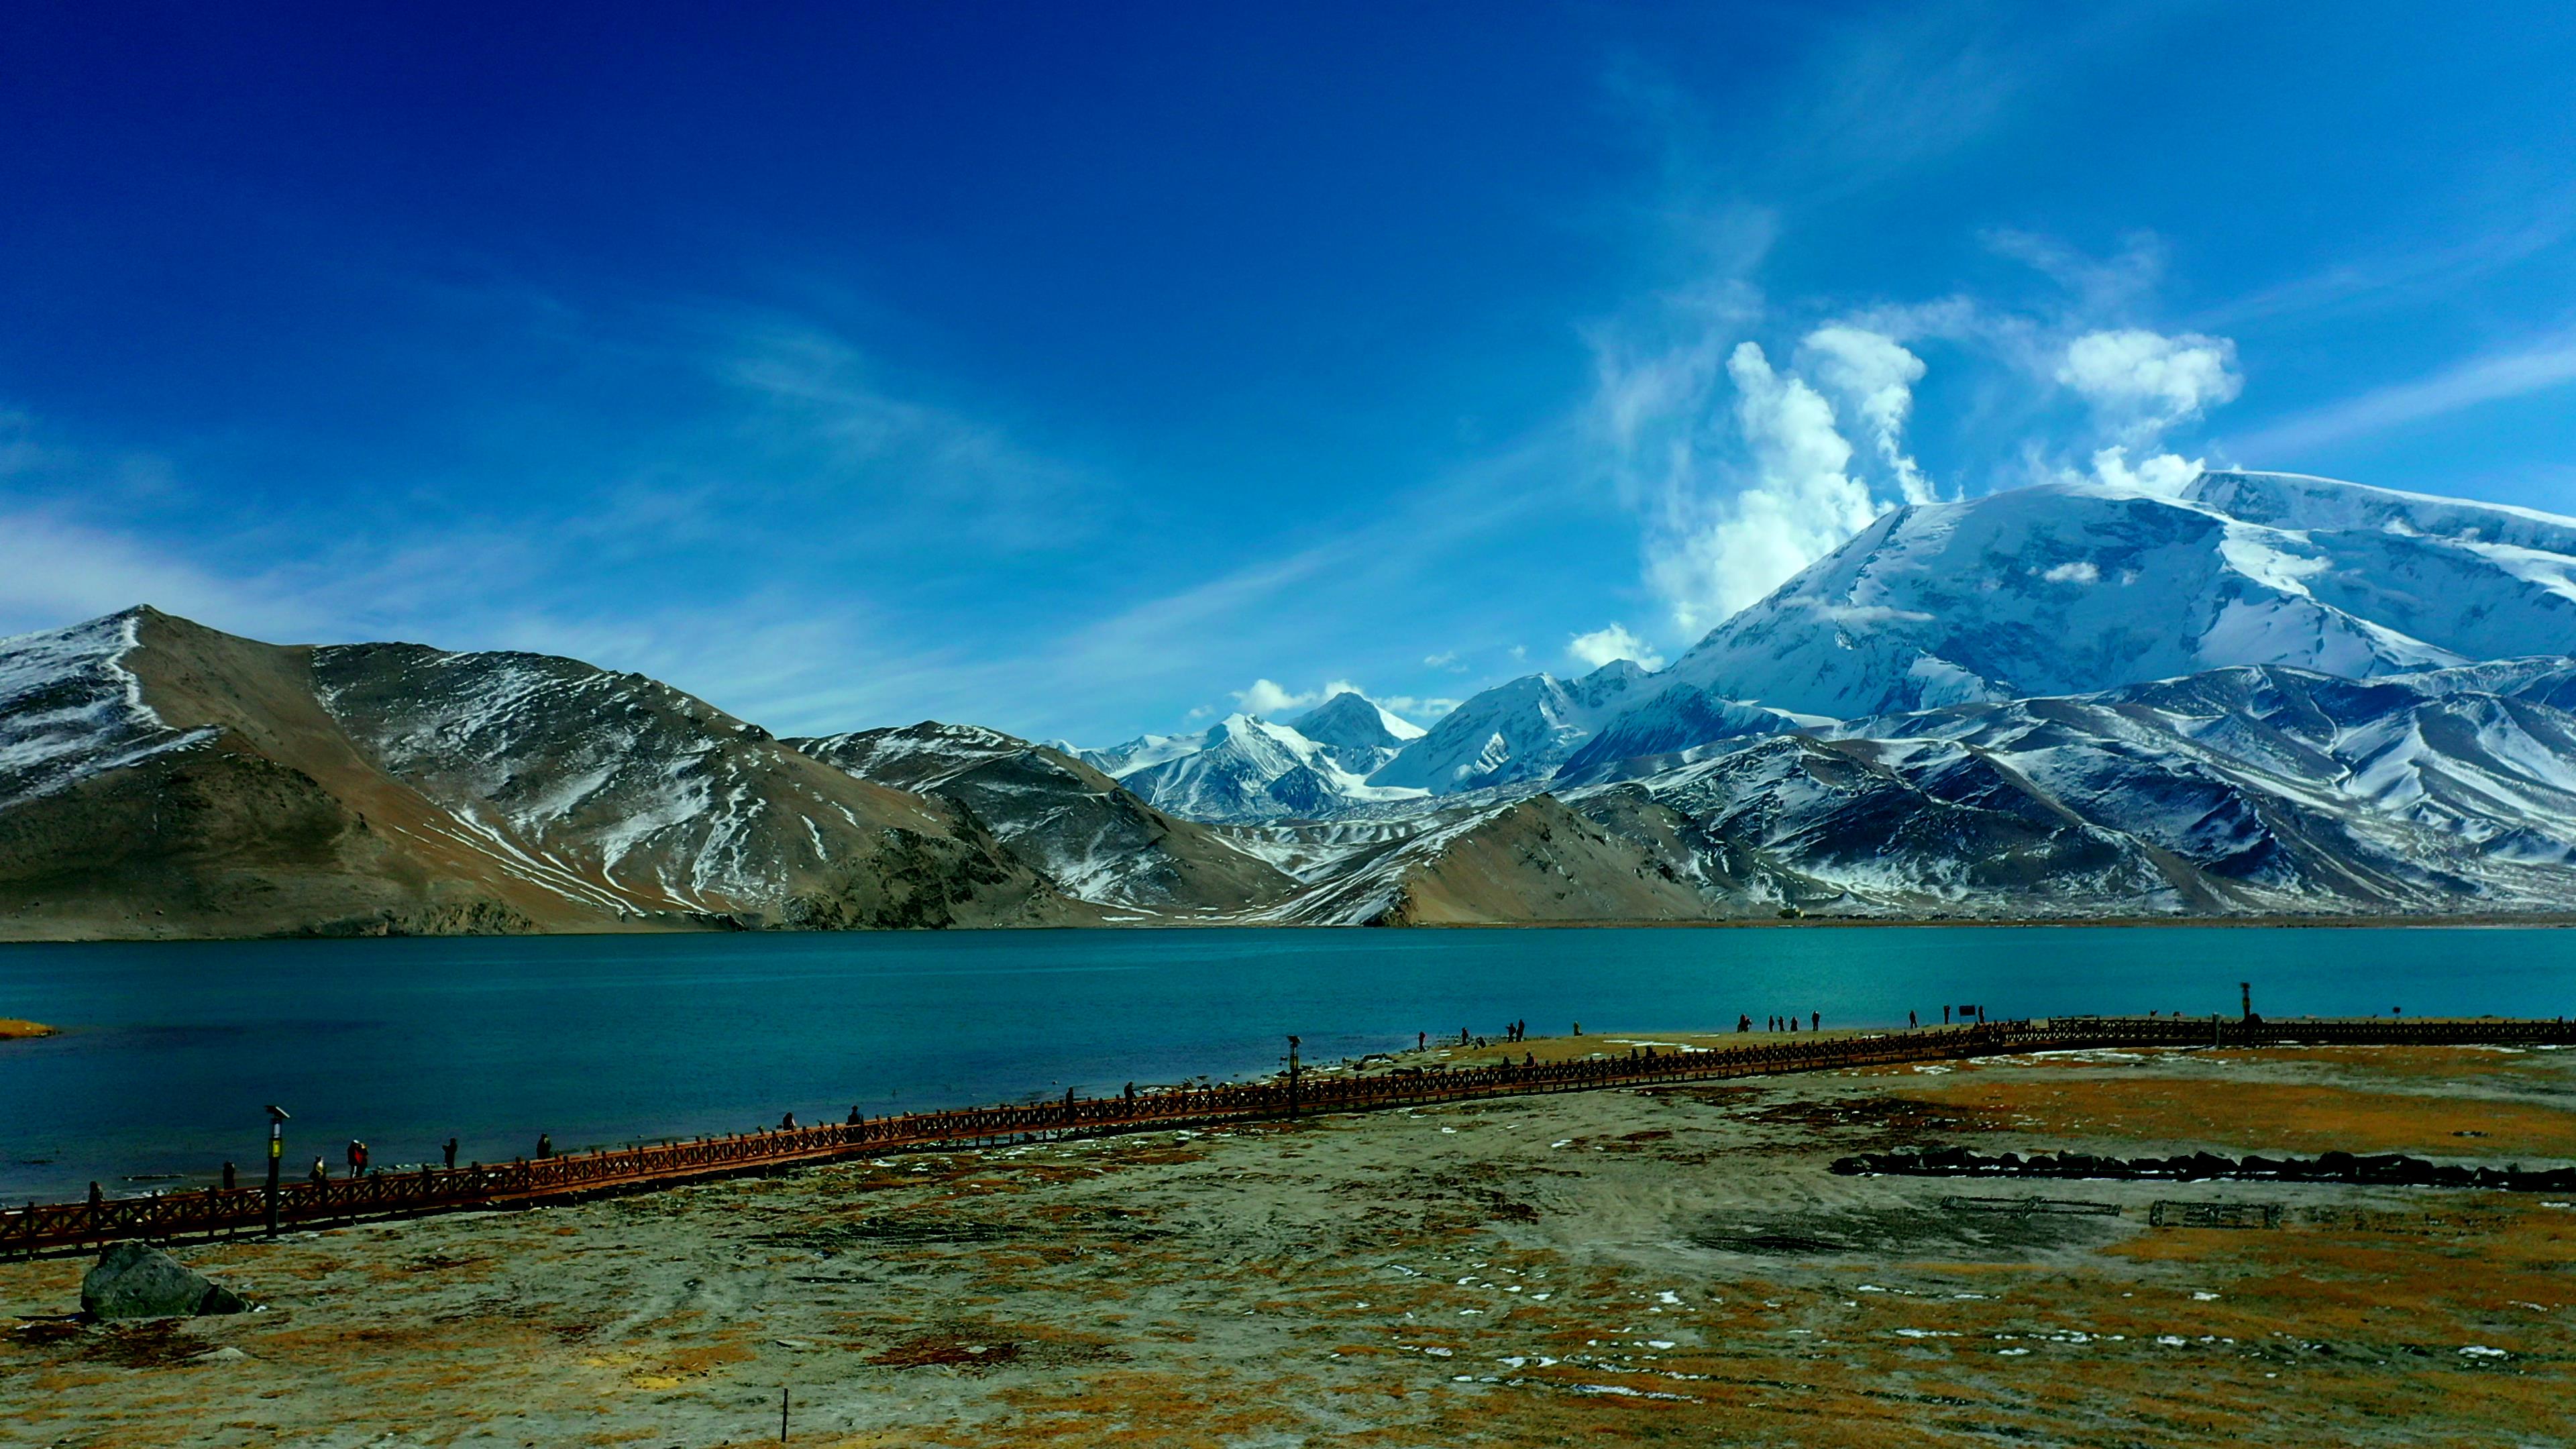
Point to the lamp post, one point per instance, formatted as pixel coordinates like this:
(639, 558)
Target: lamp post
(1292, 1076)
(276, 1151)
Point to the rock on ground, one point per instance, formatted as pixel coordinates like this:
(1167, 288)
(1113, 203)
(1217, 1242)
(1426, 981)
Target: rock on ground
(137, 1280)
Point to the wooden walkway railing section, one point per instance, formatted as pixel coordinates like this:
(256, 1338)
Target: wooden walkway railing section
(41, 1227)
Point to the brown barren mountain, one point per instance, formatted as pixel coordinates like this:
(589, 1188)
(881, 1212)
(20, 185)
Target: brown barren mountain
(191, 783)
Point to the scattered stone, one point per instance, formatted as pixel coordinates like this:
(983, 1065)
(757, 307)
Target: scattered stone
(2383, 1170)
(137, 1280)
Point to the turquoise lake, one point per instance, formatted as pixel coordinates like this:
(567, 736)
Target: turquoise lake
(169, 1051)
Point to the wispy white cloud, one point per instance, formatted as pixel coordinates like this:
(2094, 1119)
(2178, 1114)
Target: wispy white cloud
(55, 571)
(824, 424)
(1875, 377)
(2487, 239)
(1603, 645)
(1416, 708)
(2493, 378)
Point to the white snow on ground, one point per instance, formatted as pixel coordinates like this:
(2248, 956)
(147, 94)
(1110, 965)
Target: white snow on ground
(69, 709)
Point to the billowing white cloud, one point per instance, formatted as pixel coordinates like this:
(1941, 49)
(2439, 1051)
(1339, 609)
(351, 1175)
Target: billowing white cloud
(2164, 475)
(1875, 377)
(1798, 501)
(1414, 708)
(1269, 698)
(1615, 642)
(2141, 382)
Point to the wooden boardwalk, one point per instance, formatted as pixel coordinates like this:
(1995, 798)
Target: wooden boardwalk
(57, 1227)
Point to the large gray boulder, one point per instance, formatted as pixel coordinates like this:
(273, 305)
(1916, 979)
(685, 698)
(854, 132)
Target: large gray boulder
(137, 1280)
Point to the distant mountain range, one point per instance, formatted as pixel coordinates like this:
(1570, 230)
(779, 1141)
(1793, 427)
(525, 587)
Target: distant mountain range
(2271, 695)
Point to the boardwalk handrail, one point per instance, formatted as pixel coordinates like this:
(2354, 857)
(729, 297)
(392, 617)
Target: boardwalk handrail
(41, 1227)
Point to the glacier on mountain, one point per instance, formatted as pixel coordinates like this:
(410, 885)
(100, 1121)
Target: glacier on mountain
(2060, 588)
(1249, 768)
(1517, 731)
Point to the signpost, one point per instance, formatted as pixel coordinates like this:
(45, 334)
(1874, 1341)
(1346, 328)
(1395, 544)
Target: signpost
(276, 1151)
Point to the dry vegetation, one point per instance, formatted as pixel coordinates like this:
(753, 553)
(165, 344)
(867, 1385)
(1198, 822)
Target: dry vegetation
(1610, 1267)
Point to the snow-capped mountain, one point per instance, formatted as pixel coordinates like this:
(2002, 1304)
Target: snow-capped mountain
(1521, 730)
(1666, 729)
(70, 709)
(1248, 768)
(1359, 733)
(167, 779)
(2264, 789)
(2270, 695)
(1094, 839)
(2059, 589)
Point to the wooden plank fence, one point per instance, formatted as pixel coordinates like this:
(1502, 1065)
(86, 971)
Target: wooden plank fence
(53, 1227)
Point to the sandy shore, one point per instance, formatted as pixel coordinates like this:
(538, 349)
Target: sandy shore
(1658, 1264)
(12, 1028)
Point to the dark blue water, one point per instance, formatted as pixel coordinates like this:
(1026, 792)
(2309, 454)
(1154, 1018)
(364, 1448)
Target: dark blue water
(170, 1051)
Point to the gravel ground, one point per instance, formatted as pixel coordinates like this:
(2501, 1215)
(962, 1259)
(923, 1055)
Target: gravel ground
(1663, 1265)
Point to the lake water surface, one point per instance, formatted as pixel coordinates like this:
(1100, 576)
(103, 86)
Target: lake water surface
(169, 1051)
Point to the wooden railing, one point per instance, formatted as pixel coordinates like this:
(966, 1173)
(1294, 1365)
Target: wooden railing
(57, 1226)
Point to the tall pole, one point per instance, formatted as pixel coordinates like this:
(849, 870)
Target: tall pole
(2245, 991)
(276, 1151)
(1292, 1076)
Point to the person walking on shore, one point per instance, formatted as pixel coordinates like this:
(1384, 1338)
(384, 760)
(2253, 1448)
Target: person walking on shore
(449, 1152)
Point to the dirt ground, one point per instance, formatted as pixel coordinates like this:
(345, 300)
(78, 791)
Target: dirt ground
(1634, 1266)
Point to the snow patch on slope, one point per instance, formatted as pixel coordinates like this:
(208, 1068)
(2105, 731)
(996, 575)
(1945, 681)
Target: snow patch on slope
(70, 709)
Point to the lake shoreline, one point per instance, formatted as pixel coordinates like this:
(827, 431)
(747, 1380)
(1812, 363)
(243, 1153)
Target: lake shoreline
(1679, 1261)
(659, 930)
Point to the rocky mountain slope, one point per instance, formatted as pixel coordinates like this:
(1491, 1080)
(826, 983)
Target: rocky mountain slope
(1248, 768)
(2257, 790)
(1081, 829)
(1517, 731)
(168, 779)
(2271, 696)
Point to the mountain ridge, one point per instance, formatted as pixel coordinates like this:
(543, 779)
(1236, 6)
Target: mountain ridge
(2369, 747)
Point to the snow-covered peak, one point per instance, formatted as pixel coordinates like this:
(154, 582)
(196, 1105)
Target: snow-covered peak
(1142, 752)
(1248, 768)
(1350, 718)
(69, 708)
(2063, 588)
(1518, 730)
(1356, 731)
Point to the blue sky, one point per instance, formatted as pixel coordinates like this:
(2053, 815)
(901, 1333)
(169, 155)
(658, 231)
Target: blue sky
(1073, 369)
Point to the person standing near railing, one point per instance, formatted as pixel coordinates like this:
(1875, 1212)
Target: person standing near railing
(450, 1153)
